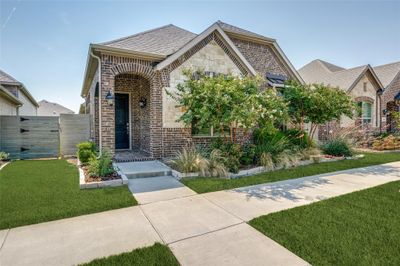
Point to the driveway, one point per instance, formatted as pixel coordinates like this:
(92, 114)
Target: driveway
(206, 229)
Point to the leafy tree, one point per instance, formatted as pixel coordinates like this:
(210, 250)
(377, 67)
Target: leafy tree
(227, 101)
(316, 104)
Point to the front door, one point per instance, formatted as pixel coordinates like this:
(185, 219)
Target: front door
(122, 121)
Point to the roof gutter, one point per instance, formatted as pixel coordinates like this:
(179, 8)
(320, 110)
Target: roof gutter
(99, 66)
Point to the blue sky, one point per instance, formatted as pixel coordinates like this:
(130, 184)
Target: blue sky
(44, 44)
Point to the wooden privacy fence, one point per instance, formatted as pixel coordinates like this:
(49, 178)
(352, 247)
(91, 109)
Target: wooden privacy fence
(27, 137)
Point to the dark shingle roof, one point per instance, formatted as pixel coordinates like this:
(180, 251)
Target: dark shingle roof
(7, 79)
(164, 41)
(230, 28)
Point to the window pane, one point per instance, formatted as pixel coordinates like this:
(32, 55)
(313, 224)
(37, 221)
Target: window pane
(367, 110)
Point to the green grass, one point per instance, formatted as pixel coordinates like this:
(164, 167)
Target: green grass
(209, 184)
(361, 228)
(157, 254)
(38, 191)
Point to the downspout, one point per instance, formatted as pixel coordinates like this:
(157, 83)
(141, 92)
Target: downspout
(99, 65)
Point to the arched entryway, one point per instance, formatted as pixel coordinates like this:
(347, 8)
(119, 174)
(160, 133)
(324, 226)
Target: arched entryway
(132, 113)
(131, 84)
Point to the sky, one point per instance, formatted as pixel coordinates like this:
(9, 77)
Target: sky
(44, 44)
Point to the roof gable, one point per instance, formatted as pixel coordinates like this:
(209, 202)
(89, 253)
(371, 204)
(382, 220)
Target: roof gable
(319, 71)
(47, 108)
(387, 73)
(7, 79)
(240, 33)
(213, 28)
(164, 40)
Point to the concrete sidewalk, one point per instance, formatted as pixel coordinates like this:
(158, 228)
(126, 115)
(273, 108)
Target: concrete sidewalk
(253, 201)
(206, 229)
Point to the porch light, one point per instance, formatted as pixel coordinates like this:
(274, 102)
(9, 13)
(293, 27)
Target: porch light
(142, 102)
(110, 98)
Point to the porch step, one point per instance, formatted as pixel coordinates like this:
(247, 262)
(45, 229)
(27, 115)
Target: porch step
(144, 169)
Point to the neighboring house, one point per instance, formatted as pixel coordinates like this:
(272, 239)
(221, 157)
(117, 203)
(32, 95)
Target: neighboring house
(27, 104)
(360, 82)
(389, 75)
(9, 103)
(126, 80)
(47, 108)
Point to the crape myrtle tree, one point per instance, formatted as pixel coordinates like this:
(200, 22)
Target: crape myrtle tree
(317, 104)
(227, 101)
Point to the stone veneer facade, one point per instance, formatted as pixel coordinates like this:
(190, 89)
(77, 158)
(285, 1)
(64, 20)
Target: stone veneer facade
(155, 129)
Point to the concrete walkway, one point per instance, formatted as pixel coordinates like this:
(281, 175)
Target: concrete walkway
(207, 229)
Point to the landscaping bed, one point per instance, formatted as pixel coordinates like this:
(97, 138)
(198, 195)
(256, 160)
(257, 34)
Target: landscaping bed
(361, 228)
(157, 254)
(209, 184)
(96, 170)
(35, 191)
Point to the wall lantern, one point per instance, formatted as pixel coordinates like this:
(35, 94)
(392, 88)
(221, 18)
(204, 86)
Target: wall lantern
(379, 92)
(110, 98)
(142, 102)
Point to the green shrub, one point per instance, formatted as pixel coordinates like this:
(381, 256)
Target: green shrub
(248, 155)
(297, 138)
(86, 151)
(231, 152)
(273, 144)
(337, 147)
(4, 156)
(101, 166)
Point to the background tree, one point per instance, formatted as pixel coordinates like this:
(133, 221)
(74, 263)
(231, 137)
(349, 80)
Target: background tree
(316, 104)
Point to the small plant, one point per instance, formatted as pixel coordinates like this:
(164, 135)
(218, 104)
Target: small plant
(189, 160)
(215, 164)
(337, 147)
(307, 154)
(4, 156)
(231, 152)
(266, 161)
(389, 142)
(287, 159)
(248, 155)
(86, 151)
(297, 138)
(102, 166)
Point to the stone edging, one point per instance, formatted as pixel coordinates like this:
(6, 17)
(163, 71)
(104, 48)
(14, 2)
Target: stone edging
(1, 167)
(100, 184)
(256, 170)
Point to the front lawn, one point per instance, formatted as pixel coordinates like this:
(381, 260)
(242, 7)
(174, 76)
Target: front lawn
(38, 191)
(361, 228)
(157, 254)
(209, 184)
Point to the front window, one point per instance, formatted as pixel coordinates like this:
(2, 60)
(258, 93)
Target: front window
(366, 112)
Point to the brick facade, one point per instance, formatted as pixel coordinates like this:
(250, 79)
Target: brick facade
(262, 58)
(389, 104)
(138, 77)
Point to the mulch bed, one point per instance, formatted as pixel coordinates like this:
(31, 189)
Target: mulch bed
(89, 178)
